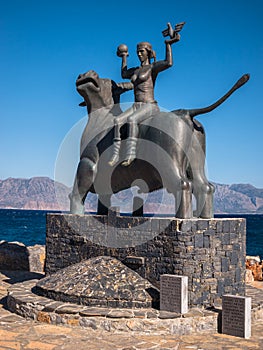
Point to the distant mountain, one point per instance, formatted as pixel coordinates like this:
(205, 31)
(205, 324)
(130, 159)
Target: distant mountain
(255, 194)
(238, 198)
(248, 190)
(42, 193)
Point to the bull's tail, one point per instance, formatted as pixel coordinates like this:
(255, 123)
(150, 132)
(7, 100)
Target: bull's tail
(238, 84)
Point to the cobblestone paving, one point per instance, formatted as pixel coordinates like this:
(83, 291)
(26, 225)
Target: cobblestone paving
(17, 333)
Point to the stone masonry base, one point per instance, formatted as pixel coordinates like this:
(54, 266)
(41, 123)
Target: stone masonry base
(210, 252)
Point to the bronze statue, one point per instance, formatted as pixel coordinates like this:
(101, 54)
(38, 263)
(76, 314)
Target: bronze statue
(143, 79)
(170, 151)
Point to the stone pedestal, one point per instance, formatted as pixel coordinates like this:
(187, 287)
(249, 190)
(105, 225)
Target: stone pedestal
(210, 252)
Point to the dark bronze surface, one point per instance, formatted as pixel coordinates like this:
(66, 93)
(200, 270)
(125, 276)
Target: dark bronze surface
(161, 149)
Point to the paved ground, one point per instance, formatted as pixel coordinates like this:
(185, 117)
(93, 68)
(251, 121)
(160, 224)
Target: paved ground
(19, 334)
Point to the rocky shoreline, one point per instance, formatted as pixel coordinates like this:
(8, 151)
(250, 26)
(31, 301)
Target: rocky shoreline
(15, 256)
(254, 269)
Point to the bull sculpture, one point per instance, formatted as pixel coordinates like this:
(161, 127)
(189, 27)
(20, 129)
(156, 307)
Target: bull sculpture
(170, 151)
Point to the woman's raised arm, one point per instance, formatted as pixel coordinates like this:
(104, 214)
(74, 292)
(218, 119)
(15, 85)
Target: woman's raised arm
(122, 51)
(168, 61)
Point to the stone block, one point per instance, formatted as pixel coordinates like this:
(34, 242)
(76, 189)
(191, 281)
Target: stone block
(226, 238)
(236, 316)
(226, 226)
(186, 226)
(16, 256)
(202, 225)
(174, 293)
(37, 256)
(206, 242)
(225, 264)
(199, 240)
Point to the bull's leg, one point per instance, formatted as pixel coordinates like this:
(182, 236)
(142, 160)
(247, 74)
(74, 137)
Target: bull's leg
(183, 198)
(85, 176)
(181, 187)
(204, 193)
(202, 189)
(104, 202)
(137, 206)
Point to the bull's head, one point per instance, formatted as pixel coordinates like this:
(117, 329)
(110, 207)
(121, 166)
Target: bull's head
(88, 81)
(97, 92)
(88, 85)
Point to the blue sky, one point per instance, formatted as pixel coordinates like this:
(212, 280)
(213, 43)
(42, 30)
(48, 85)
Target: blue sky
(46, 44)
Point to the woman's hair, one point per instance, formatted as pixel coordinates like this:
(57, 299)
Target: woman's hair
(148, 47)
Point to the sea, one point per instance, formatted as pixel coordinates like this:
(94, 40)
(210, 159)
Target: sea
(29, 227)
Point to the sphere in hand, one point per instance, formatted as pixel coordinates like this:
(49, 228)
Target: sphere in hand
(122, 49)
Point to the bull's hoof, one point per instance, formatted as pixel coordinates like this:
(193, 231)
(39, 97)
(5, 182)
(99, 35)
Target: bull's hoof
(76, 207)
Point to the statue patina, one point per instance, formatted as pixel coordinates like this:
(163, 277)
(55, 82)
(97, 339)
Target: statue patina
(164, 149)
(143, 79)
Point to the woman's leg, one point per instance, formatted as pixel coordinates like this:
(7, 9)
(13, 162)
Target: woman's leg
(133, 131)
(118, 122)
(143, 112)
(116, 143)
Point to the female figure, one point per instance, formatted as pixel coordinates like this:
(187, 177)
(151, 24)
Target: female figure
(143, 79)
